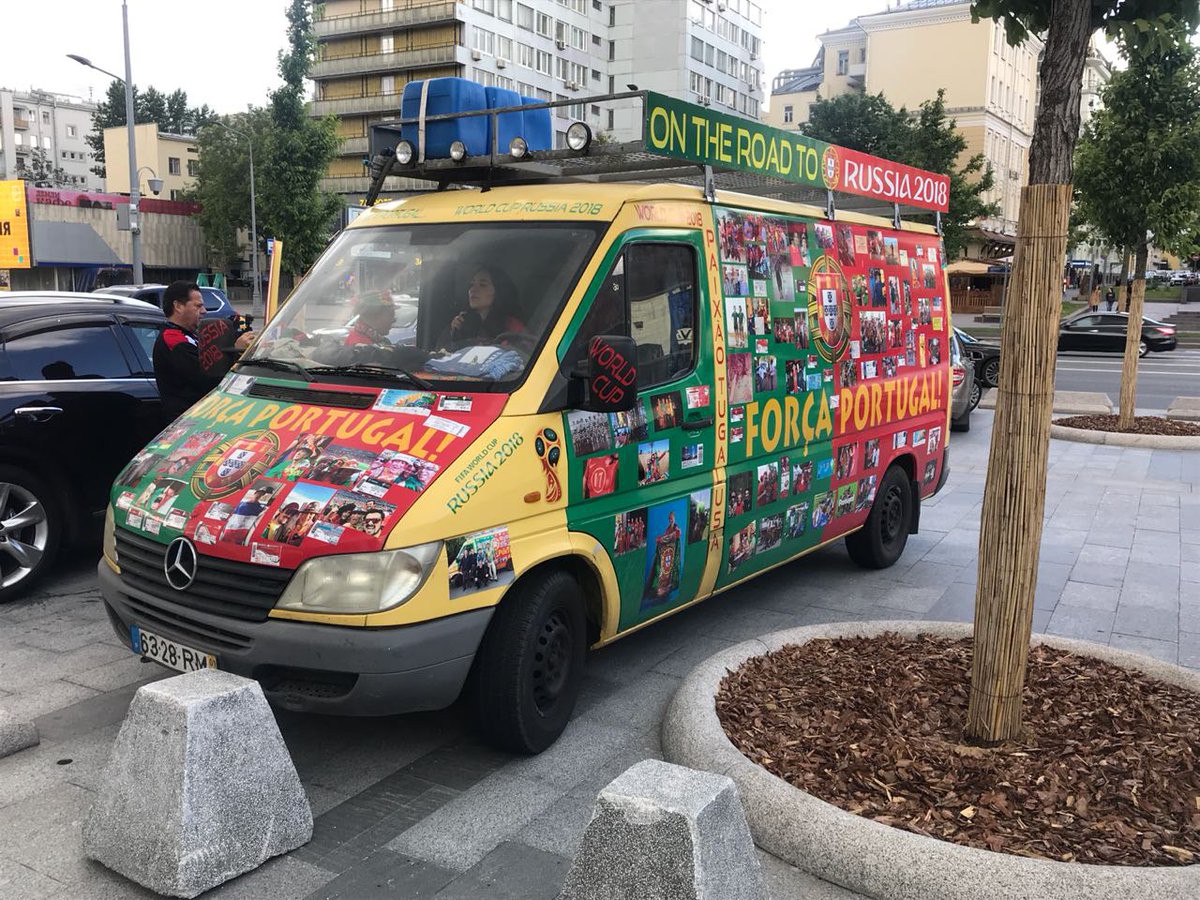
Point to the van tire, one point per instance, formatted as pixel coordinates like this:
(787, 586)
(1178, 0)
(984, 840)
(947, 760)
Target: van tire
(530, 664)
(881, 540)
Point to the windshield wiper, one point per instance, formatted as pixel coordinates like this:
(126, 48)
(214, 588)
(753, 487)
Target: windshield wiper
(392, 373)
(279, 365)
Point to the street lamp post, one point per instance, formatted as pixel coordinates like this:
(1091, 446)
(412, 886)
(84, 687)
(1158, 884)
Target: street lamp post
(135, 226)
(256, 292)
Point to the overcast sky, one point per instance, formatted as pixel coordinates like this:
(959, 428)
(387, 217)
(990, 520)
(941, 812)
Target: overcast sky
(224, 52)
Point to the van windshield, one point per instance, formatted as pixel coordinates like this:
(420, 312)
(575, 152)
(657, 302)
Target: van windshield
(466, 303)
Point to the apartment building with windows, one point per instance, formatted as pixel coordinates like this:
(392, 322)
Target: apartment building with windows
(550, 49)
(172, 157)
(56, 124)
(910, 52)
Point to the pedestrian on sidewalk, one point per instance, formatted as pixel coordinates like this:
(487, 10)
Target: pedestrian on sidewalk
(181, 378)
(1110, 299)
(1094, 298)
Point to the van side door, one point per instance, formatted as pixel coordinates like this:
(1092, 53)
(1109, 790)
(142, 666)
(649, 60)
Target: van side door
(645, 491)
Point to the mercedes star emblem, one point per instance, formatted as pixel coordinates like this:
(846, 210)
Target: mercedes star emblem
(179, 565)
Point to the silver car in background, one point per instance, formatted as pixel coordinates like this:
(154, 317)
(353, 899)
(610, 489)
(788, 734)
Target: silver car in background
(967, 391)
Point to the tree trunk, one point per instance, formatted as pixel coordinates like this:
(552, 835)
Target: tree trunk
(1133, 339)
(1014, 493)
(1123, 287)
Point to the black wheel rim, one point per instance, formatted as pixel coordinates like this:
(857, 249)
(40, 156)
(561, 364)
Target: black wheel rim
(891, 515)
(976, 394)
(551, 661)
(992, 372)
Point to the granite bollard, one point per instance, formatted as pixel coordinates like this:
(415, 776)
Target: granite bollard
(199, 789)
(666, 832)
(15, 735)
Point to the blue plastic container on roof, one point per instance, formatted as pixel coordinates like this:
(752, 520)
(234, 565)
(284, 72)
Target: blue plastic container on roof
(538, 130)
(511, 125)
(442, 96)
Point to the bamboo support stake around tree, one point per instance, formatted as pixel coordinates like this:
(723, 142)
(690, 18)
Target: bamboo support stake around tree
(1133, 341)
(1014, 493)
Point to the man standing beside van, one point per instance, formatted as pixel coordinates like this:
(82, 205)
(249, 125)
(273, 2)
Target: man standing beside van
(181, 378)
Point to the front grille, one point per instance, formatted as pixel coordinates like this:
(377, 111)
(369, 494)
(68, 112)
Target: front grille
(221, 587)
(190, 630)
(346, 399)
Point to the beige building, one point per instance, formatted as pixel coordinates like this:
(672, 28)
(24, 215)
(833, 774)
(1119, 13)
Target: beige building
(174, 158)
(908, 54)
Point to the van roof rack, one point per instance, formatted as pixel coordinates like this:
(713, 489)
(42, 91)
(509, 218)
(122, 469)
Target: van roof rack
(682, 143)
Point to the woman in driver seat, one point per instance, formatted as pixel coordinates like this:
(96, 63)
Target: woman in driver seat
(490, 313)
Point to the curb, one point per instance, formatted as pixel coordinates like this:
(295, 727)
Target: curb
(876, 860)
(1117, 439)
(16, 735)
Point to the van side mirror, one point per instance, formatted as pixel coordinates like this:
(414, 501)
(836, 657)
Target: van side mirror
(610, 384)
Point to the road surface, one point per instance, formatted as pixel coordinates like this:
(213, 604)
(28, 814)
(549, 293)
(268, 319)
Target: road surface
(1161, 376)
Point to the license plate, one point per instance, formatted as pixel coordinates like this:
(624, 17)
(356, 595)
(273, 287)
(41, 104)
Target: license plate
(170, 653)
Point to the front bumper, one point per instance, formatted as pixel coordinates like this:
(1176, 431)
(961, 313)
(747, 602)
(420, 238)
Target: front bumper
(310, 667)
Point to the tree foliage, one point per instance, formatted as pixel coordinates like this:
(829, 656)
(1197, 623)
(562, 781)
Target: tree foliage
(1149, 25)
(926, 139)
(170, 111)
(292, 152)
(41, 171)
(1137, 166)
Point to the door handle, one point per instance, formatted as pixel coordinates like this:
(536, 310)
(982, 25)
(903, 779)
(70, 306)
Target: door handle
(38, 413)
(698, 424)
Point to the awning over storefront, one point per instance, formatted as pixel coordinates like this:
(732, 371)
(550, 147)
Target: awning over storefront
(70, 244)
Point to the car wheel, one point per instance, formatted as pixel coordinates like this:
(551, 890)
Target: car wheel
(976, 395)
(1143, 348)
(991, 372)
(879, 543)
(30, 531)
(963, 423)
(530, 664)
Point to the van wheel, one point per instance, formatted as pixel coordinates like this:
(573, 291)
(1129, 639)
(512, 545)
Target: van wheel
(879, 543)
(530, 664)
(30, 531)
(962, 424)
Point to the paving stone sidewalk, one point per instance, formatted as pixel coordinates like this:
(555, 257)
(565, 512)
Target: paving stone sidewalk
(415, 806)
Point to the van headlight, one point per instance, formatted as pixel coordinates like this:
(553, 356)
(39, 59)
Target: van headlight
(360, 583)
(110, 535)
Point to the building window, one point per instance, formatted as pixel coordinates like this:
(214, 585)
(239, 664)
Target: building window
(387, 44)
(525, 17)
(193, 168)
(789, 114)
(545, 25)
(487, 6)
(46, 140)
(173, 166)
(862, 55)
(387, 84)
(46, 118)
(72, 131)
(697, 49)
(545, 63)
(504, 47)
(843, 63)
(526, 56)
(504, 9)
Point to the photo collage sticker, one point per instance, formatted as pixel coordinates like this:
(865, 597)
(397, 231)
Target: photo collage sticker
(766, 262)
(899, 329)
(263, 496)
(621, 452)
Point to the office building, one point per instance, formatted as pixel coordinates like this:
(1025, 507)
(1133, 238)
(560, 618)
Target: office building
(173, 158)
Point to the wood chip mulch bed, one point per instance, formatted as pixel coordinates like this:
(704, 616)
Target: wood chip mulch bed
(1106, 772)
(1141, 425)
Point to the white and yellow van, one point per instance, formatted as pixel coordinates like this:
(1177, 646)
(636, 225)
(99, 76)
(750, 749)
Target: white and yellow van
(493, 429)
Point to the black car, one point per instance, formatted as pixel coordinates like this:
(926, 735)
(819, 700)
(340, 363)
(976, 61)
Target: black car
(77, 402)
(985, 356)
(1105, 333)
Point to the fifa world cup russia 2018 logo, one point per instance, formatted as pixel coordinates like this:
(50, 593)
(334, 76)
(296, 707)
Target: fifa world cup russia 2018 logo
(549, 451)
